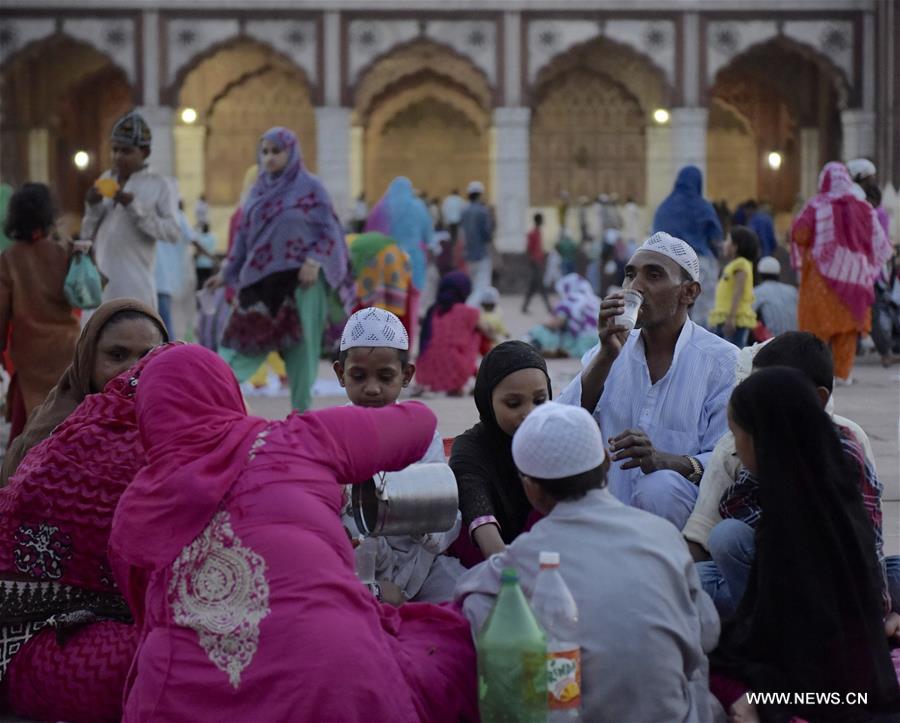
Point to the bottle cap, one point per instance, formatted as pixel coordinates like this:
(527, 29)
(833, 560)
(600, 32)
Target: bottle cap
(509, 575)
(550, 559)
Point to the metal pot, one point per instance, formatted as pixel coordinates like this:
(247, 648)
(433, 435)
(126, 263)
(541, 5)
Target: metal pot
(414, 501)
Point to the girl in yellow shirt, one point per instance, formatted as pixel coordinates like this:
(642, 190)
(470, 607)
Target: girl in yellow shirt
(733, 317)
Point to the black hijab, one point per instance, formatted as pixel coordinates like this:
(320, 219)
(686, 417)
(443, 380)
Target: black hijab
(811, 618)
(482, 456)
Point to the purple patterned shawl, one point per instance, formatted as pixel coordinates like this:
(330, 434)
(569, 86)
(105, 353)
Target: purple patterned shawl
(285, 219)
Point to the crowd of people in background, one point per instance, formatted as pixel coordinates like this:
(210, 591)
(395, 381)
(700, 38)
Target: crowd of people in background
(720, 526)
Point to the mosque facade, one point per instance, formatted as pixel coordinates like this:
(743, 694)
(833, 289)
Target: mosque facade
(535, 98)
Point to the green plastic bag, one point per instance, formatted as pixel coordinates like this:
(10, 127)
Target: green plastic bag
(83, 288)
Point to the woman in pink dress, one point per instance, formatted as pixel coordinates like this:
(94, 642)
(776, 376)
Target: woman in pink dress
(230, 548)
(451, 338)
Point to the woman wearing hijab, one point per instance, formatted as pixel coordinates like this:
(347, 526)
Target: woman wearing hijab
(685, 214)
(66, 634)
(811, 617)
(451, 338)
(839, 249)
(512, 380)
(117, 335)
(403, 216)
(230, 549)
(572, 330)
(289, 255)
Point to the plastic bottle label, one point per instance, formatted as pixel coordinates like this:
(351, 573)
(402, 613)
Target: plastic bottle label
(564, 679)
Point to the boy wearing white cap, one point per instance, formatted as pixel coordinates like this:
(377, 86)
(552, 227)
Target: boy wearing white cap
(774, 302)
(478, 231)
(646, 625)
(373, 367)
(660, 391)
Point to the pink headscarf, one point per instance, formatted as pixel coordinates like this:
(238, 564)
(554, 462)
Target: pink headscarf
(849, 246)
(197, 435)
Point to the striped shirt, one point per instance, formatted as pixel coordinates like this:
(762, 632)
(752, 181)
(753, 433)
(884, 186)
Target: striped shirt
(776, 306)
(684, 413)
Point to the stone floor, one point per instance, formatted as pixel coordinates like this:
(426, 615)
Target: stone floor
(873, 402)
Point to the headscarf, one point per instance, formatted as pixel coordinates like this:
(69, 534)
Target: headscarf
(285, 220)
(75, 383)
(687, 215)
(454, 289)
(132, 130)
(57, 510)
(489, 447)
(810, 619)
(402, 215)
(849, 246)
(197, 435)
(578, 302)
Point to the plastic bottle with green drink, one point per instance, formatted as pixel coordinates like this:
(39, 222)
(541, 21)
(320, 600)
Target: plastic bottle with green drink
(512, 653)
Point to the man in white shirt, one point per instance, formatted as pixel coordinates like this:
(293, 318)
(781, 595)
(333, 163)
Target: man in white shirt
(659, 392)
(774, 302)
(126, 226)
(451, 213)
(645, 624)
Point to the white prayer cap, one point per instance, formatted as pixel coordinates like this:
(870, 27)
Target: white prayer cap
(374, 327)
(475, 187)
(557, 441)
(769, 265)
(860, 168)
(489, 296)
(679, 251)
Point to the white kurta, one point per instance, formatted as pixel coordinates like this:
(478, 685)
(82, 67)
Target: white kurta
(646, 624)
(125, 236)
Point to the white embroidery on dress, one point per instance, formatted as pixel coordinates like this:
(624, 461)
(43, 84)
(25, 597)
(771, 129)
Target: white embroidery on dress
(219, 589)
(257, 444)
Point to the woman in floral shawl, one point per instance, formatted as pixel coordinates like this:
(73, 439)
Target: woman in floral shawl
(289, 256)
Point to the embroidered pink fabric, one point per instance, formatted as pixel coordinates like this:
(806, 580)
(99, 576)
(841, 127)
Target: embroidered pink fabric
(849, 246)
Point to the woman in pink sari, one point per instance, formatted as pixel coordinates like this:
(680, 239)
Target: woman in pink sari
(230, 548)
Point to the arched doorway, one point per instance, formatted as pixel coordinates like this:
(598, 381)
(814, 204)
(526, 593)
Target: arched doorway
(787, 100)
(239, 91)
(590, 107)
(60, 96)
(424, 113)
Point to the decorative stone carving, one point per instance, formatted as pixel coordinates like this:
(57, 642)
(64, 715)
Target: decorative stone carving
(474, 39)
(832, 38)
(295, 39)
(188, 37)
(548, 39)
(370, 38)
(16, 33)
(113, 37)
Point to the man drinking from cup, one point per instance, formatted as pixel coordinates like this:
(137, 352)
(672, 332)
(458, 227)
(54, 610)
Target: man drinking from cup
(658, 391)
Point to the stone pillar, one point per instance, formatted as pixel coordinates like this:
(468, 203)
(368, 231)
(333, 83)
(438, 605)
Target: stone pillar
(190, 165)
(39, 156)
(161, 119)
(660, 174)
(689, 138)
(358, 162)
(512, 59)
(512, 177)
(809, 161)
(333, 151)
(858, 128)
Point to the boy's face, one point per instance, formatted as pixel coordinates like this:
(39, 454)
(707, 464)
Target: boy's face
(373, 376)
(128, 159)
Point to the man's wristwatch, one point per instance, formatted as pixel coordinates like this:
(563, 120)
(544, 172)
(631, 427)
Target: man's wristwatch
(697, 470)
(375, 589)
